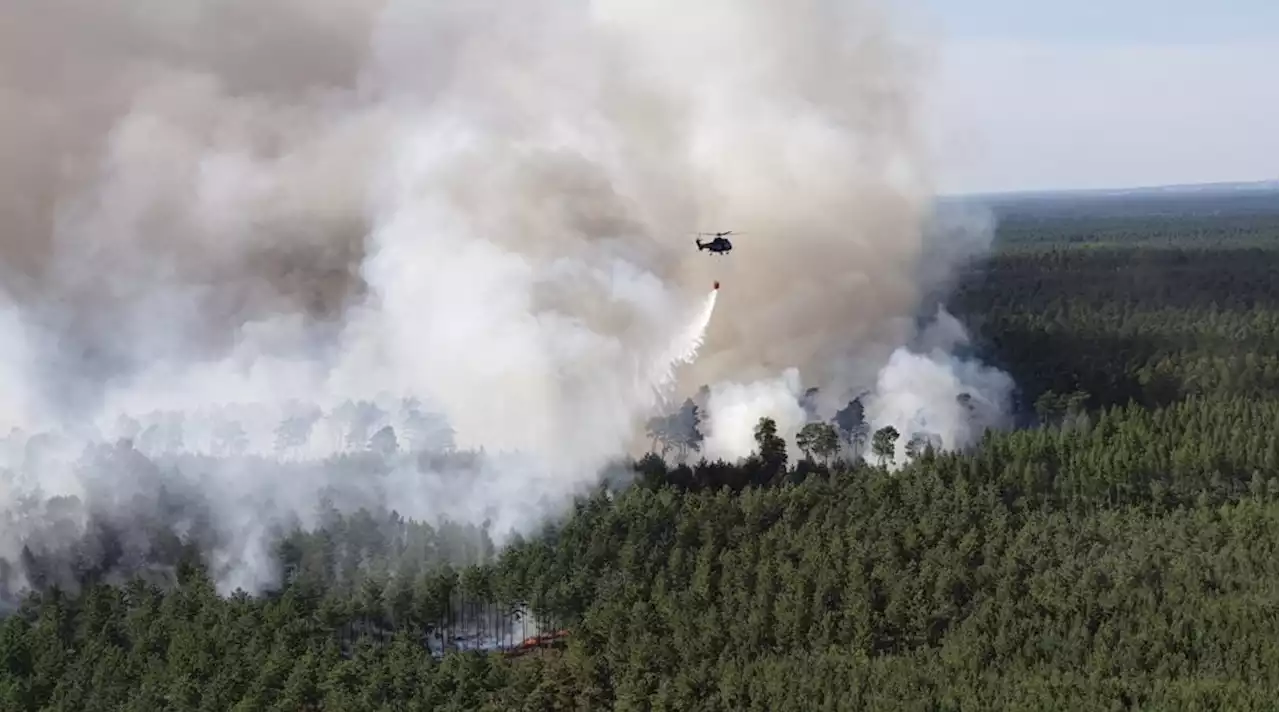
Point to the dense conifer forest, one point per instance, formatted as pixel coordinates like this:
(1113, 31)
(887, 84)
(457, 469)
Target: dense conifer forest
(1117, 550)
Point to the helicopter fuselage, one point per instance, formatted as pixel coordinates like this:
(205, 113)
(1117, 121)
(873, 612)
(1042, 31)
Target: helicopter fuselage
(719, 245)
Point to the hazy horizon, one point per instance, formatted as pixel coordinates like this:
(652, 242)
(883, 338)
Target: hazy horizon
(1086, 95)
(1222, 185)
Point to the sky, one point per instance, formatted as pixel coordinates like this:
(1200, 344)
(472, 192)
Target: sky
(1091, 94)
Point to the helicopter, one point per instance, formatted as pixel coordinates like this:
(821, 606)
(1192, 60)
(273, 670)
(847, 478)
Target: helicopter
(720, 244)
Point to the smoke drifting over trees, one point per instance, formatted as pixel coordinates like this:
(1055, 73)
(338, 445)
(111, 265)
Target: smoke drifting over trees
(283, 251)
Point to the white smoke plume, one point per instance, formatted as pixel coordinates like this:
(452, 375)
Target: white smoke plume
(250, 237)
(736, 408)
(926, 391)
(923, 389)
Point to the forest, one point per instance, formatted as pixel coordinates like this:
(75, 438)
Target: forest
(1116, 550)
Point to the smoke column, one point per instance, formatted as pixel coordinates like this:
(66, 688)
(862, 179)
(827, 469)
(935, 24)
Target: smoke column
(468, 221)
(925, 389)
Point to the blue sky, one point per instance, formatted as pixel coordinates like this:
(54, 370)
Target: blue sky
(1088, 94)
(1090, 22)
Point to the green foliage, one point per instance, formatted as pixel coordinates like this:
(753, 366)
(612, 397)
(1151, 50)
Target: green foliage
(883, 443)
(771, 448)
(818, 439)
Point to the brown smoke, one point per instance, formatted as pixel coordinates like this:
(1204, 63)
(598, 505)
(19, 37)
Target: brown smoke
(112, 118)
(170, 173)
